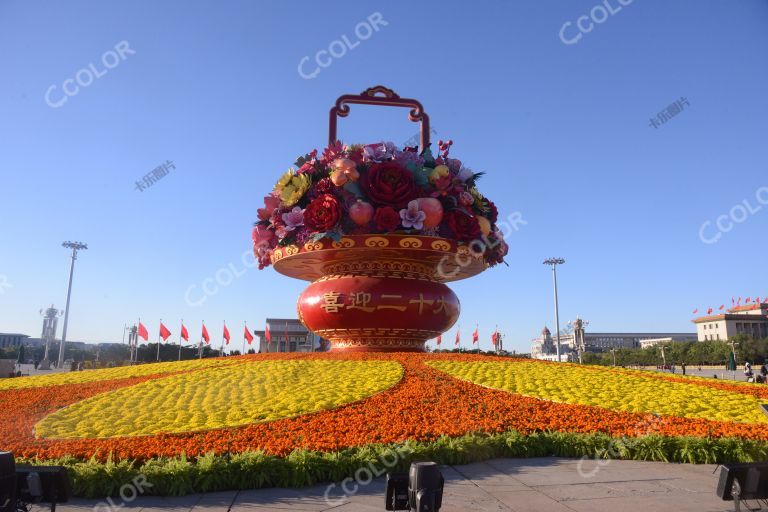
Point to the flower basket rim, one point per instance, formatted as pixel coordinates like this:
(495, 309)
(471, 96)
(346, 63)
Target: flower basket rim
(306, 261)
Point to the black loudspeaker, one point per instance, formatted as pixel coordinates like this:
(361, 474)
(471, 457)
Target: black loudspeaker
(425, 487)
(49, 484)
(751, 477)
(7, 482)
(397, 491)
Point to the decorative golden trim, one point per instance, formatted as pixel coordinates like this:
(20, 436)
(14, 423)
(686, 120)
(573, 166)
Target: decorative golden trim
(291, 250)
(314, 246)
(380, 268)
(377, 343)
(344, 243)
(441, 245)
(411, 243)
(376, 241)
(367, 333)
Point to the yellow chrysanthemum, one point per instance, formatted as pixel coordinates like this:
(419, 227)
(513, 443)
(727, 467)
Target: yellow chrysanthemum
(619, 390)
(438, 172)
(292, 186)
(227, 396)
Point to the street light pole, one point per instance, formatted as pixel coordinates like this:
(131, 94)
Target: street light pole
(554, 262)
(75, 246)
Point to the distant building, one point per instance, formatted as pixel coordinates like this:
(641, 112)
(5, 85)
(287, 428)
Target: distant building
(545, 347)
(751, 320)
(652, 342)
(12, 339)
(289, 335)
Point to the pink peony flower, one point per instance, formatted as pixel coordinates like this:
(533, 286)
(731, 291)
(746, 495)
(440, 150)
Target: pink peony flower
(271, 203)
(412, 217)
(379, 152)
(262, 234)
(294, 218)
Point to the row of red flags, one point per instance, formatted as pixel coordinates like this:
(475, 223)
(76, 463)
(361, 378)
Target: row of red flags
(734, 303)
(165, 333)
(495, 337)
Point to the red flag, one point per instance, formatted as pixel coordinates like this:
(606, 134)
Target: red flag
(164, 332)
(226, 333)
(748, 300)
(475, 336)
(205, 335)
(143, 331)
(733, 301)
(458, 337)
(695, 311)
(184, 333)
(495, 337)
(439, 339)
(248, 335)
(721, 307)
(267, 334)
(709, 311)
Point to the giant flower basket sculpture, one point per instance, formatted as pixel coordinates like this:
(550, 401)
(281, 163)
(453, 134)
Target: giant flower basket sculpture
(378, 230)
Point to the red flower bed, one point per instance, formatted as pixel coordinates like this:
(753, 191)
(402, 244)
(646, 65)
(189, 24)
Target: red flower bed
(424, 405)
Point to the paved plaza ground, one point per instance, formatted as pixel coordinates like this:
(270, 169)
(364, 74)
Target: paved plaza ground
(549, 484)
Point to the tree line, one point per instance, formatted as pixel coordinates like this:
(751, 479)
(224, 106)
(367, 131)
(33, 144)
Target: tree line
(691, 353)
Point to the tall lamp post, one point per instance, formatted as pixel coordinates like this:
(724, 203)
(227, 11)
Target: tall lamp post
(75, 246)
(553, 262)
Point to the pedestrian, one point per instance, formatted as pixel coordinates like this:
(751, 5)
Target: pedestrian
(682, 366)
(37, 363)
(748, 371)
(764, 370)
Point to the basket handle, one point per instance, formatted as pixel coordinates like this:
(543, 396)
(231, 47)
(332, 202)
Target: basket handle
(379, 95)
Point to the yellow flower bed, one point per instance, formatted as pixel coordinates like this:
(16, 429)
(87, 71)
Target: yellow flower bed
(621, 391)
(122, 372)
(222, 397)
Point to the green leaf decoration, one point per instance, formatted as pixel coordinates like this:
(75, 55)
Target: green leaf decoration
(429, 160)
(333, 235)
(420, 174)
(353, 187)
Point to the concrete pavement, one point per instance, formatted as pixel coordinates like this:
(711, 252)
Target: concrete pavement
(549, 484)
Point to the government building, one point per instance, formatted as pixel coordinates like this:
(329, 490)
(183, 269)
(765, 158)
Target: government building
(751, 319)
(289, 335)
(545, 346)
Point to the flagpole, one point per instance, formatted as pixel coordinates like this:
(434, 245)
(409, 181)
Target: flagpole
(200, 348)
(135, 342)
(180, 338)
(221, 351)
(245, 326)
(158, 340)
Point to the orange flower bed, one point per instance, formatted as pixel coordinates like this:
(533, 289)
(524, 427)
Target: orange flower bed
(424, 405)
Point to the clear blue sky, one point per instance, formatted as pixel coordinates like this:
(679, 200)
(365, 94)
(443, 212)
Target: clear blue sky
(562, 131)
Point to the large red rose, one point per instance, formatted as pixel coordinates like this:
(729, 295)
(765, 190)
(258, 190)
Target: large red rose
(386, 219)
(464, 226)
(388, 184)
(322, 213)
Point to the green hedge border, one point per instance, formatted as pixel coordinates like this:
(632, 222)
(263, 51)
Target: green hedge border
(177, 476)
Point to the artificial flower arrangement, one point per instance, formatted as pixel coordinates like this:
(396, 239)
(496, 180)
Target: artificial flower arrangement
(378, 188)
